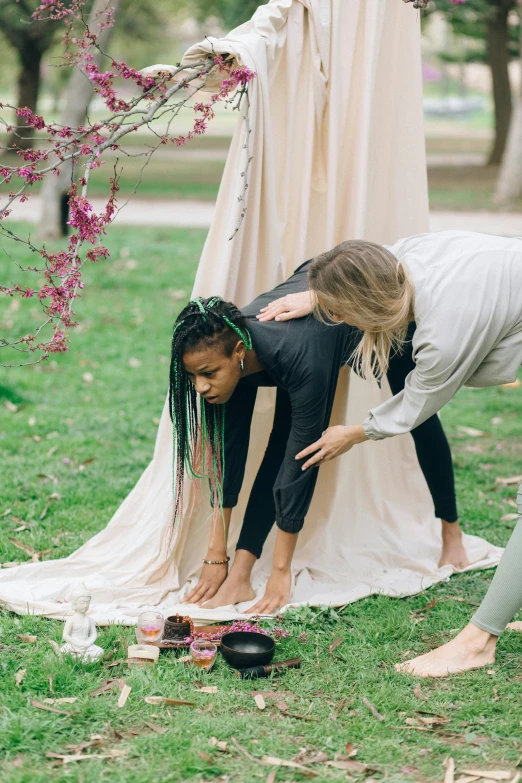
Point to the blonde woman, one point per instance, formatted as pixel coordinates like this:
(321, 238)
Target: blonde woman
(464, 293)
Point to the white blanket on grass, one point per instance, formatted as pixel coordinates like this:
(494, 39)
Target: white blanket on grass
(338, 152)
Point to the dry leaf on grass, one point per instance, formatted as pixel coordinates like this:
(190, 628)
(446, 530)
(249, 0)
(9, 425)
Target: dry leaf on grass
(418, 693)
(489, 774)
(466, 779)
(375, 712)
(11, 407)
(274, 761)
(35, 556)
(40, 706)
(509, 517)
(270, 778)
(114, 753)
(429, 719)
(165, 700)
(220, 745)
(349, 766)
(18, 761)
(350, 750)
(205, 756)
(471, 432)
(431, 605)
(10, 564)
(509, 480)
(209, 689)
(26, 637)
(310, 757)
(124, 695)
(106, 686)
(282, 705)
(449, 766)
(20, 674)
(157, 729)
(63, 700)
(260, 701)
(335, 644)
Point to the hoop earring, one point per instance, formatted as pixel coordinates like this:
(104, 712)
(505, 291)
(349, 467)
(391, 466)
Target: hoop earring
(241, 364)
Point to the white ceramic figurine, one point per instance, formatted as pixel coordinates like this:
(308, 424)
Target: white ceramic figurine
(80, 632)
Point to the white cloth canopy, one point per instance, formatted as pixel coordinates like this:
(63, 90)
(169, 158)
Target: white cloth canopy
(338, 152)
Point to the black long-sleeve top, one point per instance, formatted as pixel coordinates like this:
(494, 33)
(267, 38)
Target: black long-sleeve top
(302, 357)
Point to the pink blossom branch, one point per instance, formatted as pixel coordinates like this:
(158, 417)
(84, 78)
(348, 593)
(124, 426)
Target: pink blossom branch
(62, 269)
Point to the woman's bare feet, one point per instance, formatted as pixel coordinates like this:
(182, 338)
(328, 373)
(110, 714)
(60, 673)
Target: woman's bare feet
(453, 551)
(473, 648)
(277, 593)
(210, 580)
(234, 590)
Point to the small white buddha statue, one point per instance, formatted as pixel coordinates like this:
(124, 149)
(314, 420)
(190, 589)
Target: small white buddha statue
(79, 631)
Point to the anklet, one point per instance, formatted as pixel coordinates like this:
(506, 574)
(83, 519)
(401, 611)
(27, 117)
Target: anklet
(216, 562)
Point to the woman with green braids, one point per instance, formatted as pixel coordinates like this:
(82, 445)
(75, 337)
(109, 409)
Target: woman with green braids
(220, 357)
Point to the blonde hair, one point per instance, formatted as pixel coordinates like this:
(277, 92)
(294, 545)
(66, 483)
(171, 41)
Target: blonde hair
(366, 285)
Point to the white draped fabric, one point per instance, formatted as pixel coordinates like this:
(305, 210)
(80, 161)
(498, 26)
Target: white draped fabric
(338, 152)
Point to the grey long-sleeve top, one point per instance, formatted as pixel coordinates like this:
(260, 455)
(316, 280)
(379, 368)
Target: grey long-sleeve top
(468, 311)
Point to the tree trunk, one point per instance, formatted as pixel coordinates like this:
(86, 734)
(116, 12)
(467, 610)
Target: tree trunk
(27, 94)
(509, 183)
(78, 94)
(498, 57)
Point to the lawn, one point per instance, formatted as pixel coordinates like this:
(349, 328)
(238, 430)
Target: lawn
(84, 428)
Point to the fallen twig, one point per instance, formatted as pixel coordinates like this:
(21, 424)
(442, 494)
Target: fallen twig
(375, 712)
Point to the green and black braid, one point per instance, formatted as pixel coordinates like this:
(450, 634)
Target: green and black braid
(198, 430)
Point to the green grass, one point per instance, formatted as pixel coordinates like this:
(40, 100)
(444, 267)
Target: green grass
(127, 310)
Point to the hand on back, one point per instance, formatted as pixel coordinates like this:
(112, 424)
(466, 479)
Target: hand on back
(288, 307)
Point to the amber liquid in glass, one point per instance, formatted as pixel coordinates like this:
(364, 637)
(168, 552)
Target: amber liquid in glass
(150, 631)
(204, 661)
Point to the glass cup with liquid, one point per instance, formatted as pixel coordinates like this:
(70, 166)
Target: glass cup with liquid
(203, 654)
(150, 627)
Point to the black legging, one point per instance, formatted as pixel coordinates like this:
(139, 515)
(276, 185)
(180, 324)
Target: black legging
(431, 445)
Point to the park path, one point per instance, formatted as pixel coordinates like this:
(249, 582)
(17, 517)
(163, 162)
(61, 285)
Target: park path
(198, 214)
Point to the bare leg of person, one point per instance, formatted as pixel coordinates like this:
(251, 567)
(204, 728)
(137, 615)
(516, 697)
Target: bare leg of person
(236, 588)
(453, 551)
(474, 647)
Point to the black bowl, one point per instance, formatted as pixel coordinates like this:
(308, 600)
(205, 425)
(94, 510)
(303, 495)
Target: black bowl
(242, 649)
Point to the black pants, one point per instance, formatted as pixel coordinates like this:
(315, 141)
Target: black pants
(431, 445)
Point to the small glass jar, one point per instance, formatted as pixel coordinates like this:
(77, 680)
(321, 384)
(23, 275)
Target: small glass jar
(150, 627)
(203, 654)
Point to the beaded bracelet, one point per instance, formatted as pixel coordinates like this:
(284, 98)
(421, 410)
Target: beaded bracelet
(216, 562)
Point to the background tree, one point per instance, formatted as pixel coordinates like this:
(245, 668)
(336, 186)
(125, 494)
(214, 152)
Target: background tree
(487, 27)
(509, 185)
(142, 22)
(30, 38)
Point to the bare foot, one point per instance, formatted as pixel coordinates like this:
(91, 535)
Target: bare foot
(210, 580)
(473, 648)
(453, 551)
(234, 590)
(277, 593)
